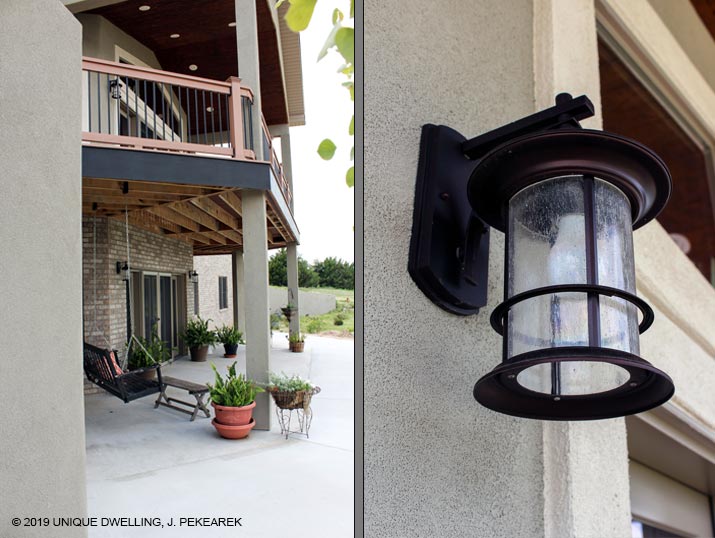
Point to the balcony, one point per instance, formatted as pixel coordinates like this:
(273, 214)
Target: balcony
(150, 114)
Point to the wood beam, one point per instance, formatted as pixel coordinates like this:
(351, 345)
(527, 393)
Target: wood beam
(217, 212)
(177, 218)
(194, 213)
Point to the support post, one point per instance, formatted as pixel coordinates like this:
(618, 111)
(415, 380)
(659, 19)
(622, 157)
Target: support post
(293, 293)
(248, 65)
(257, 321)
(239, 291)
(283, 132)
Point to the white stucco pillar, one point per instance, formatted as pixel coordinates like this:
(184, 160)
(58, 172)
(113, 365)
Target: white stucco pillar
(239, 291)
(293, 294)
(579, 467)
(248, 64)
(42, 441)
(255, 262)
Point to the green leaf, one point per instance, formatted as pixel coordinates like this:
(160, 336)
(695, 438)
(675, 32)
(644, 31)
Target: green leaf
(352, 153)
(329, 42)
(337, 16)
(352, 9)
(299, 14)
(350, 177)
(281, 2)
(345, 41)
(326, 149)
(351, 129)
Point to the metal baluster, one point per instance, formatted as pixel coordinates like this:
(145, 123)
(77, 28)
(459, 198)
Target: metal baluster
(188, 115)
(153, 104)
(181, 110)
(203, 98)
(89, 102)
(171, 109)
(146, 100)
(99, 105)
(163, 112)
(109, 108)
(213, 113)
(136, 105)
(220, 127)
(126, 93)
(196, 111)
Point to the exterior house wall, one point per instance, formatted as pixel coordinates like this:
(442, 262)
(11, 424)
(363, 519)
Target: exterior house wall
(148, 252)
(42, 442)
(210, 268)
(100, 39)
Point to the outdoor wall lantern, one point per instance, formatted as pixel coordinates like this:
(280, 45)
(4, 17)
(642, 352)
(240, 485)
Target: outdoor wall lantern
(115, 88)
(193, 277)
(568, 200)
(123, 269)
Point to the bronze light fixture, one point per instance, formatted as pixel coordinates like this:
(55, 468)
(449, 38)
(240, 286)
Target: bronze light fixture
(193, 276)
(123, 269)
(567, 200)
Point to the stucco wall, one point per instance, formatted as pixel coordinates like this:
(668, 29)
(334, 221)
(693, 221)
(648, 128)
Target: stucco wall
(436, 463)
(100, 39)
(42, 441)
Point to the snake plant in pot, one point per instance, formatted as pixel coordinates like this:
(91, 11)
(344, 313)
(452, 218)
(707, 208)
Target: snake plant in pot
(233, 399)
(198, 338)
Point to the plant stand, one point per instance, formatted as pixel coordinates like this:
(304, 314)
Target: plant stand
(287, 402)
(304, 416)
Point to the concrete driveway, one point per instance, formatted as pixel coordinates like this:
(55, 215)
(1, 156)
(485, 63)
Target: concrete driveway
(152, 466)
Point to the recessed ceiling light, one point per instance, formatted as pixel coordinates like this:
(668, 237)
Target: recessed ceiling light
(175, 36)
(193, 67)
(209, 109)
(144, 8)
(232, 24)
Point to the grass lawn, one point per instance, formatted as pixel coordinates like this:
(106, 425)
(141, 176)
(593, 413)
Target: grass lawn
(326, 323)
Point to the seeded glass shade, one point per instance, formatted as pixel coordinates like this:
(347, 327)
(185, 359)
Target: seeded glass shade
(546, 241)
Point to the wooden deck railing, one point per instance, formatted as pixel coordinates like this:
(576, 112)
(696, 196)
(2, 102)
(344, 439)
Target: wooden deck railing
(147, 109)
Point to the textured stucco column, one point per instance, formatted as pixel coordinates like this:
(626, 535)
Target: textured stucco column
(293, 295)
(248, 65)
(239, 291)
(42, 442)
(580, 468)
(283, 132)
(255, 262)
(437, 463)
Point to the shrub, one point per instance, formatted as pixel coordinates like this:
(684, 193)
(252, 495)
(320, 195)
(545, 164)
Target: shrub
(314, 326)
(197, 333)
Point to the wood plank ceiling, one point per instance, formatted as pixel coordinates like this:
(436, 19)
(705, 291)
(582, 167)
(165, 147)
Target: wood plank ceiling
(208, 218)
(629, 109)
(205, 40)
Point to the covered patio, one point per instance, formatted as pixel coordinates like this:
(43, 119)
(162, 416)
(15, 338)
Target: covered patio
(155, 463)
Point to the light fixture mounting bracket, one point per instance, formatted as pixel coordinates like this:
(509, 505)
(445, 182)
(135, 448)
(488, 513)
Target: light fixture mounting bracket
(449, 247)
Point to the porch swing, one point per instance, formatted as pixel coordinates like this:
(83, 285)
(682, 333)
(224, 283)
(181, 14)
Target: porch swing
(101, 366)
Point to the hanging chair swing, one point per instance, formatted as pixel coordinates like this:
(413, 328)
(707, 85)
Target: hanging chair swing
(101, 365)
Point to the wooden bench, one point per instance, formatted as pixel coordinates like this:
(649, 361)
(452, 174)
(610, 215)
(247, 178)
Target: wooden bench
(195, 389)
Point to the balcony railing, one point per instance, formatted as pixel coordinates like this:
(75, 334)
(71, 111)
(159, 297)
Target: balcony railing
(147, 109)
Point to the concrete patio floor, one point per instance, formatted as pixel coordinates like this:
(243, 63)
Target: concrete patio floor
(154, 463)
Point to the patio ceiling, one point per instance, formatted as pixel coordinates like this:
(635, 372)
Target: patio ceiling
(208, 218)
(205, 40)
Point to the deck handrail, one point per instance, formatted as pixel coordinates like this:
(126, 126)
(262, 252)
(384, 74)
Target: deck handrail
(142, 108)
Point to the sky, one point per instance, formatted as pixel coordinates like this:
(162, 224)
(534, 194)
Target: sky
(324, 207)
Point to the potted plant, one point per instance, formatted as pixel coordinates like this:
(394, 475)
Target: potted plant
(230, 337)
(296, 342)
(291, 392)
(151, 351)
(289, 310)
(233, 400)
(198, 338)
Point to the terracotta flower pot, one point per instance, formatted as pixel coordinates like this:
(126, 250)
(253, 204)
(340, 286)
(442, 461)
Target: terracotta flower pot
(230, 350)
(233, 432)
(199, 354)
(233, 416)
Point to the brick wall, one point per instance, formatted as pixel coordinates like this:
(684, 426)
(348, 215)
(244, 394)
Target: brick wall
(105, 322)
(209, 269)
